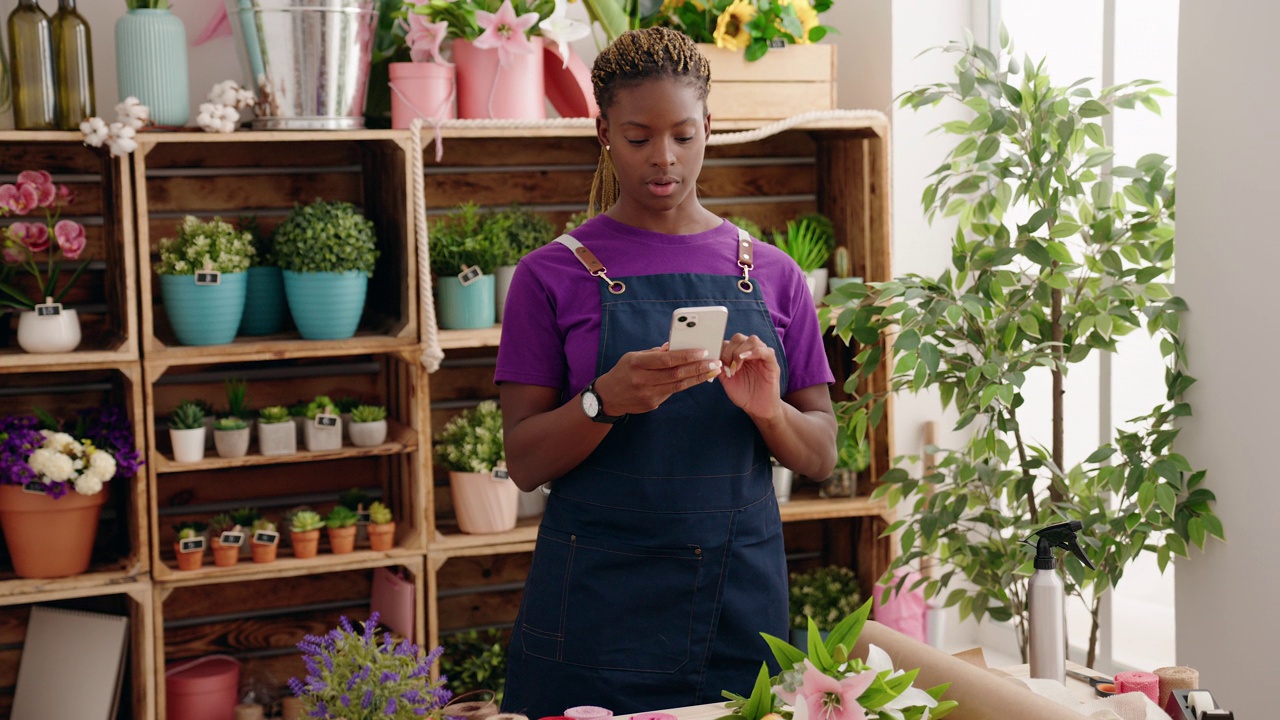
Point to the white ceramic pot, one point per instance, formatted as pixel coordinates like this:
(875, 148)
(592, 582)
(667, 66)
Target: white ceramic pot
(782, 478)
(188, 445)
(323, 438)
(368, 434)
(277, 438)
(49, 333)
(231, 443)
(502, 285)
(817, 280)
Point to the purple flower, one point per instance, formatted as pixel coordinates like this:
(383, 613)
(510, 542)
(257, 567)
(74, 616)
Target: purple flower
(389, 677)
(296, 687)
(368, 699)
(345, 700)
(345, 624)
(391, 705)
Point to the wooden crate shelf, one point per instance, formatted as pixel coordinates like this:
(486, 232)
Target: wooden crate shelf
(286, 566)
(459, 339)
(265, 174)
(400, 440)
(106, 294)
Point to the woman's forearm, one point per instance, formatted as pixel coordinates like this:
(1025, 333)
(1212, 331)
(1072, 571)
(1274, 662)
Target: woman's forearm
(545, 445)
(802, 434)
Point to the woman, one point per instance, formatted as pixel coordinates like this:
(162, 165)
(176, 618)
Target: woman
(659, 559)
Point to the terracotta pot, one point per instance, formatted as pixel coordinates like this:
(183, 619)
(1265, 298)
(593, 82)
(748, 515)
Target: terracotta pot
(342, 540)
(305, 544)
(382, 537)
(49, 538)
(224, 555)
(189, 560)
(264, 553)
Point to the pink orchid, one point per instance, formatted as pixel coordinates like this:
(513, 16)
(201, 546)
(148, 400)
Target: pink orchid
(19, 199)
(66, 196)
(825, 698)
(71, 238)
(16, 255)
(33, 236)
(43, 184)
(424, 39)
(504, 31)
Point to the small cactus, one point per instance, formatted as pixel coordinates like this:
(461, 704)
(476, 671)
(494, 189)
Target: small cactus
(844, 266)
(368, 413)
(187, 416)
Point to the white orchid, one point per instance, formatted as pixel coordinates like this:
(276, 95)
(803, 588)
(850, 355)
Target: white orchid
(563, 30)
(879, 661)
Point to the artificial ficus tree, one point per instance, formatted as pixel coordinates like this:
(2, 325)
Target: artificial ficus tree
(1056, 256)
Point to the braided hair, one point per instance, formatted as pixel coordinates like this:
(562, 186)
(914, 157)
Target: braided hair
(637, 56)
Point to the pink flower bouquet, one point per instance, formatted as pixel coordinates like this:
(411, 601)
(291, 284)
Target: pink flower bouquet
(23, 242)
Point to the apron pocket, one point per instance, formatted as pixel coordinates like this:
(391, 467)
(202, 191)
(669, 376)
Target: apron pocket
(609, 605)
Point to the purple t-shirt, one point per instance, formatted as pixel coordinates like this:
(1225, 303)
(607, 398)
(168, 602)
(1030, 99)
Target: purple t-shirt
(551, 322)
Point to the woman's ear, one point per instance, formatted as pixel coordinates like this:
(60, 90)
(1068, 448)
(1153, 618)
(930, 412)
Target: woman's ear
(602, 130)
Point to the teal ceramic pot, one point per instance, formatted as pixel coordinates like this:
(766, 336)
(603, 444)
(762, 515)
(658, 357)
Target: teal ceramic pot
(264, 304)
(204, 314)
(465, 307)
(326, 305)
(151, 63)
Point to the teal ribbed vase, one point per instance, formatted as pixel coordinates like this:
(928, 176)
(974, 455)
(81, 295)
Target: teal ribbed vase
(465, 307)
(204, 314)
(326, 305)
(264, 304)
(151, 63)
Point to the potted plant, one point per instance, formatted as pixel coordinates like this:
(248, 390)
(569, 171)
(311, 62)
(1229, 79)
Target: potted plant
(189, 545)
(843, 267)
(368, 425)
(226, 537)
(470, 447)
(203, 276)
(475, 660)
(304, 533)
(327, 251)
(425, 87)
(277, 434)
(783, 477)
(382, 529)
(238, 399)
(264, 305)
(853, 455)
(341, 524)
(44, 326)
(231, 437)
(390, 677)
(324, 426)
(808, 242)
(825, 594)
(463, 259)
(264, 541)
(517, 232)
(187, 432)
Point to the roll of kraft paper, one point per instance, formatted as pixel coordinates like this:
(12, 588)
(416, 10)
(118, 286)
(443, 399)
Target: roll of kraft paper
(981, 694)
(1176, 678)
(1134, 681)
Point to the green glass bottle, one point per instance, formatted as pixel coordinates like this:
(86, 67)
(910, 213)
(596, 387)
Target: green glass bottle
(31, 64)
(73, 59)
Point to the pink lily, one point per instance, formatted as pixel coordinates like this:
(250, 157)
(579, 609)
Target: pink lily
(16, 255)
(43, 184)
(504, 31)
(19, 199)
(33, 236)
(424, 39)
(71, 238)
(825, 698)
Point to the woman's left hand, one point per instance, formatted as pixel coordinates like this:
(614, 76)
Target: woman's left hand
(751, 376)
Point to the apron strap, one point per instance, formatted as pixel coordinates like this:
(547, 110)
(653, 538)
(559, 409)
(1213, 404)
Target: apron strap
(746, 260)
(591, 263)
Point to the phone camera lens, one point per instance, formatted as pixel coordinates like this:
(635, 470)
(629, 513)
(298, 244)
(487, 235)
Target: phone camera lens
(681, 319)
(690, 324)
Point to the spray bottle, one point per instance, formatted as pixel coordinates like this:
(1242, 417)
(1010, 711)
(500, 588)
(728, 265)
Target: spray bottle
(1046, 596)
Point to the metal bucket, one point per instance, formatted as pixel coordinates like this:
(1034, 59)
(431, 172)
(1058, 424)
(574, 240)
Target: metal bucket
(308, 59)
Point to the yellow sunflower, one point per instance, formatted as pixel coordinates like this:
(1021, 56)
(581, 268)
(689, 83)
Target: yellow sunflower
(731, 27)
(807, 15)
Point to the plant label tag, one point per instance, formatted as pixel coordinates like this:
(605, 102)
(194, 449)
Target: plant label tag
(325, 420)
(500, 473)
(48, 309)
(191, 545)
(208, 277)
(777, 44)
(231, 537)
(362, 517)
(266, 537)
(470, 275)
(35, 487)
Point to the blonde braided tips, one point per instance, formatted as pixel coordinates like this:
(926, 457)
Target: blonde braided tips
(635, 57)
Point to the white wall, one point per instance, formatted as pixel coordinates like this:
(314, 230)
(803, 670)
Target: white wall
(1228, 150)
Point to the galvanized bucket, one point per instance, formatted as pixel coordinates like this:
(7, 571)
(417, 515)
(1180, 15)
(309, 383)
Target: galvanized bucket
(308, 59)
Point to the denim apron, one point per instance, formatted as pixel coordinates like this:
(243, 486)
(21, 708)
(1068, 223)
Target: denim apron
(659, 559)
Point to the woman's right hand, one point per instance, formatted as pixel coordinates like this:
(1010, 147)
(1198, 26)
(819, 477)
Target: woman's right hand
(644, 379)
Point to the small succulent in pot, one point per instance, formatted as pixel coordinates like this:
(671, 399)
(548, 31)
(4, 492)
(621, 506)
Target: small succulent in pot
(265, 540)
(323, 430)
(368, 425)
(187, 432)
(277, 435)
(231, 436)
(225, 554)
(342, 529)
(382, 528)
(189, 552)
(304, 533)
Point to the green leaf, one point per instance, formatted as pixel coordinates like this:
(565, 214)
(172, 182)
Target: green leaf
(1057, 250)
(1039, 218)
(787, 655)
(907, 340)
(987, 148)
(1029, 325)
(1012, 94)
(1064, 229)
(1100, 454)
(818, 654)
(847, 631)
(1166, 499)
(929, 354)
(1092, 109)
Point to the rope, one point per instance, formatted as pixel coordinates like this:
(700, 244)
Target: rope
(432, 355)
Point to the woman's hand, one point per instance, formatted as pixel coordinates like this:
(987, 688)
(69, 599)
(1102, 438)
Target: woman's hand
(752, 376)
(644, 379)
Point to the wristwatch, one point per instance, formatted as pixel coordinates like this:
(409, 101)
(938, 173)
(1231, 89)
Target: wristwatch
(593, 406)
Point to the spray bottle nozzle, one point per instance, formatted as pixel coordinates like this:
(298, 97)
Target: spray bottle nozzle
(1061, 535)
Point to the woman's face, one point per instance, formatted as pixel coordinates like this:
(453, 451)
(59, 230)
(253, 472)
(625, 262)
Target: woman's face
(657, 134)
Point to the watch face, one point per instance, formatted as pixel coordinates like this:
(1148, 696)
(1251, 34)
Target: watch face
(590, 404)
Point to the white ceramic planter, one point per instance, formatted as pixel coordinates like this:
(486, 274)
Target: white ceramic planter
(277, 438)
(782, 478)
(368, 434)
(817, 280)
(188, 445)
(323, 438)
(231, 443)
(49, 333)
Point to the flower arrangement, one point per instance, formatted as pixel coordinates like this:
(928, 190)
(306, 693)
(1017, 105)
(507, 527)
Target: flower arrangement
(131, 116)
(59, 462)
(489, 24)
(23, 241)
(472, 441)
(826, 593)
(200, 245)
(355, 675)
(826, 683)
(750, 25)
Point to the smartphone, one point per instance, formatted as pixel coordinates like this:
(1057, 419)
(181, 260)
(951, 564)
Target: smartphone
(699, 327)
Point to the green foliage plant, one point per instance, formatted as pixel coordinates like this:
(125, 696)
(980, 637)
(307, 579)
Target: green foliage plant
(238, 398)
(459, 239)
(189, 529)
(1056, 256)
(765, 25)
(187, 416)
(306, 521)
(327, 237)
(744, 223)
(516, 232)
(221, 523)
(475, 660)
(806, 241)
(320, 404)
(263, 242)
(341, 516)
(576, 220)
(264, 525)
(472, 440)
(379, 514)
(346, 403)
(245, 517)
(231, 422)
(826, 594)
(298, 409)
(368, 414)
(355, 499)
(273, 414)
(213, 245)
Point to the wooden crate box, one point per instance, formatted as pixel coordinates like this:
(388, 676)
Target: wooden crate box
(264, 174)
(787, 81)
(105, 295)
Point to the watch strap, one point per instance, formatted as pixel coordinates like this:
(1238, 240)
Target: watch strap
(600, 416)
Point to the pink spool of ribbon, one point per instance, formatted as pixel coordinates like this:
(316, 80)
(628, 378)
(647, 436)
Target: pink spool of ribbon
(1144, 682)
(588, 712)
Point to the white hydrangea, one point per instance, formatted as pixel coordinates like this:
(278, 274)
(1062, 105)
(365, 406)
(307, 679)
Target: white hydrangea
(52, 465)
(102, 464)
(89, 484)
